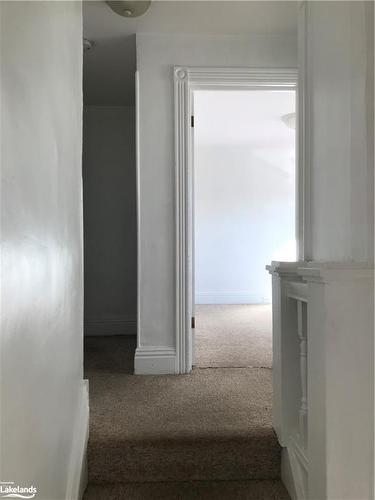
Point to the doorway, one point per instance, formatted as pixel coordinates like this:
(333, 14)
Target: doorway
(189, 82)
(244, 191)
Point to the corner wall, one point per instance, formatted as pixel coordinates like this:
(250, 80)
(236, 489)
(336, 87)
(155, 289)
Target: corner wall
(336, 60)
(44, 411)
(156, 56)
(339, 79)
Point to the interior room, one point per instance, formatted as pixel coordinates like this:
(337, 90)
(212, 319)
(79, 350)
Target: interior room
(172, 172)
(245, 214)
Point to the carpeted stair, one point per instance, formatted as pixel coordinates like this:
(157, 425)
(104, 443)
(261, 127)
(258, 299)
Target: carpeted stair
(196, 490)
(206, 435)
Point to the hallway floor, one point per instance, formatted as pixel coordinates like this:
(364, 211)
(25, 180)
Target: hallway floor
(206, 435)
(238, 336)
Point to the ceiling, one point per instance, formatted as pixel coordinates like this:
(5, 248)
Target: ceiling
(110, 65)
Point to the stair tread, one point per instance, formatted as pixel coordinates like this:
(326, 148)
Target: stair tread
(204, 490)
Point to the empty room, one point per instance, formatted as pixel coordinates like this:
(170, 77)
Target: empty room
(244, 217)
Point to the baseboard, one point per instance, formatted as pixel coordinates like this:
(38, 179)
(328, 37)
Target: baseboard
(110, 325)
(287, 474)
(230, 297)
(294, 471)
(154, 360)
(77, 472)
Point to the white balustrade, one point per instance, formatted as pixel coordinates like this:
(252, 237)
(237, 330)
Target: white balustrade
(290, 375)
(301, 304)
(323, 339)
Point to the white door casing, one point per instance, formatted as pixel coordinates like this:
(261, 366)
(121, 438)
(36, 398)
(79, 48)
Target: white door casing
(186, 81)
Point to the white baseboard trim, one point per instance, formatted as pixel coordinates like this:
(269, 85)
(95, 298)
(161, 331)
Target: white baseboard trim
(294, 471)
(287, 474)
(110, 325)
(230, 297)
(77, 472)
(154, 360)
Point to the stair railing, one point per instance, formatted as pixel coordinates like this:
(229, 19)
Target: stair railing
(297, 292)
(290, 366)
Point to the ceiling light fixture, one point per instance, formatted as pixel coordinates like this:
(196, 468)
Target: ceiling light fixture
(129, 9)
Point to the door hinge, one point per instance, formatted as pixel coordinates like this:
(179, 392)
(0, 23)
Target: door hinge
(193, 322)
(192, 120)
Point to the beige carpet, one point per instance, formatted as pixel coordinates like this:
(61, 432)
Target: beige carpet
(195, 490)
(233, 335)
(206, 435)
(211, 424)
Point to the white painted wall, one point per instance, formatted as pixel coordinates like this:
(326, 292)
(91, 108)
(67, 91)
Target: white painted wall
(339, 79)
(156, 56)
(337, 54)
(41, 233)
(244, 193)
(110, 226)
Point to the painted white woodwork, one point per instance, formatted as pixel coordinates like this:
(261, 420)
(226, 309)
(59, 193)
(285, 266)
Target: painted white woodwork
(302, 336)
(77, 471)
(193, 239)
(298, 292)
(137, 163)
(340, 380)
(286, 371)
(186, 80)
(323, 327)
(155, 360)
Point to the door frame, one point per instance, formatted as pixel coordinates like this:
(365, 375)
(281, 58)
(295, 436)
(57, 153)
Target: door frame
(186, 81)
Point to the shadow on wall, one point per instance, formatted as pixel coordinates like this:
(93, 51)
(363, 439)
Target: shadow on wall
(110, 236)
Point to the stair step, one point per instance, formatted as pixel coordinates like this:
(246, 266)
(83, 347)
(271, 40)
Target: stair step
(207, 490)
(185, 460)
(209, 425)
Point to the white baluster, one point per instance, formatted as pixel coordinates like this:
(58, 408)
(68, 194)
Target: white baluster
(302, 335)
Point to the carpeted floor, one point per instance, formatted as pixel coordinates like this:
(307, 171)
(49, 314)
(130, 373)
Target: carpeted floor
(194, 490)
(233, 335)
(206, 435)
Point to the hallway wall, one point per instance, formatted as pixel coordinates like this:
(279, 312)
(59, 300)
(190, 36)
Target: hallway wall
(43, 398)
(340, 111)
(156, 56)
(110, 220)
(336, 60)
